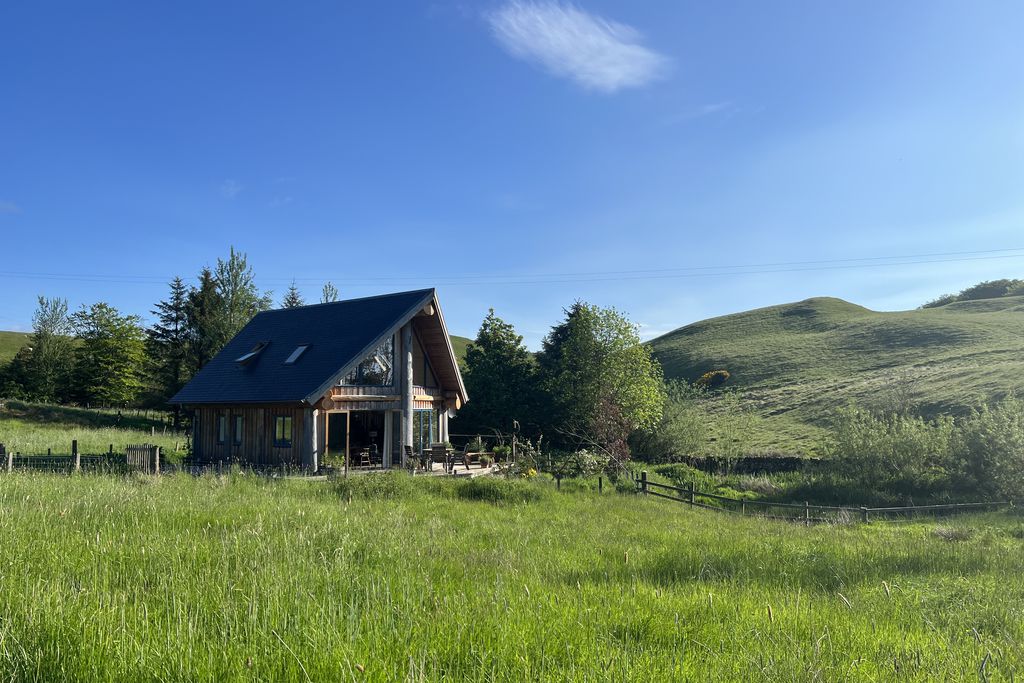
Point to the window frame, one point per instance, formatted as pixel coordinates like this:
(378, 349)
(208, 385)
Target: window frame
(222, 428)
(287, 426)
(298, 353)
(239, 428)
(357, 369)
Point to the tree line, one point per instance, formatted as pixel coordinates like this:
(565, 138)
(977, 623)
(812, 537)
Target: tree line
(592, 385)
(100, 356)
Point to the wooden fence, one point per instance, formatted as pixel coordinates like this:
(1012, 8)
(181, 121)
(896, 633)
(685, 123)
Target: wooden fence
(142, 458)
(800, 512)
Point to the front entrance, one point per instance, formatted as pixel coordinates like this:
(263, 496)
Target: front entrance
(356, 436)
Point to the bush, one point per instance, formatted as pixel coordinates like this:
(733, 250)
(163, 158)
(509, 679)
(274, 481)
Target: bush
(498, 491)
(991, 448)
(712, 379)
(682, 430)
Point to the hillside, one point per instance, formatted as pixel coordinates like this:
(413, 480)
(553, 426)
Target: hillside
(10, 342)
(797, 362)
(459, 345)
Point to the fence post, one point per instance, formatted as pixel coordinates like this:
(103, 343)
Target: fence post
(10, 458)
(643, 481)
(154, 462)
(693, 498)
(600, 484)
(807, 513)
(76, 456)
(558, 482)
(864, 514)
(743, 506)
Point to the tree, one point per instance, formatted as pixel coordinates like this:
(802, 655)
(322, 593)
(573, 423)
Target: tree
(168, 345)
(205, 328)
(329, 293)
(501, 376)
(40, 371)
(683, 428)
(292, 298)
(239, 297)
(600, 380)
(110, 357)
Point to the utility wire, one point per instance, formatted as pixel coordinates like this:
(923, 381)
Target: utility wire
(573, 277)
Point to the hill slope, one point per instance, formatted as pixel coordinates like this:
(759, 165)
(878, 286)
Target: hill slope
(10, 342)
(797, 362)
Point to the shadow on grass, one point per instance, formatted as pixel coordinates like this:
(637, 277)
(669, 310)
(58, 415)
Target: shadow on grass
(82, 417)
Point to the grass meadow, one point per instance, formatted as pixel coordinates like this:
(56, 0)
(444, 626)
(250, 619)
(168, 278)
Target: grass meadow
(385, 577)
(31, 428)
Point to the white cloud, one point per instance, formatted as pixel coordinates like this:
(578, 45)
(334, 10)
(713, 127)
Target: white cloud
(570, 43)
(7, 206)
(230, 188)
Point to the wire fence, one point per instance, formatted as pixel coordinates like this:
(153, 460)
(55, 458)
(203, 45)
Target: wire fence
(802, 512)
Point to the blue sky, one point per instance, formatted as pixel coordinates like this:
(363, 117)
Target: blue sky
(518, 155)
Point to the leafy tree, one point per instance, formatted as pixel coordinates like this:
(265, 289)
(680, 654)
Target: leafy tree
(205, 328)
(168, 345)
(240, 299)
(682, 430)
(501, 378)
(40, 371)
(110, 357)
(600, 380)
(292, 298)
(329, 293)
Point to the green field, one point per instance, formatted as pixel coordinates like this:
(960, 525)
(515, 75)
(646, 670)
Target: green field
(796, 363)
(31, 428)
(459, 345)
(10, 343)
(242, 578)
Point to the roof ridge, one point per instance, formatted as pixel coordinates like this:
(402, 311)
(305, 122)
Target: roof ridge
(347, 301)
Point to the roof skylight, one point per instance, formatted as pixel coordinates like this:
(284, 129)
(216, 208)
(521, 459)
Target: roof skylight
(296, 354)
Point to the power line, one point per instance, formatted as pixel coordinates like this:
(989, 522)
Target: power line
(576, 277)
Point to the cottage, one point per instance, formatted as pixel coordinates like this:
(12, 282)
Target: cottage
(363, 382)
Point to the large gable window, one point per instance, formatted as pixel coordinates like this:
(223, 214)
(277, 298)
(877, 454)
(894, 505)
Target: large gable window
(377, 369)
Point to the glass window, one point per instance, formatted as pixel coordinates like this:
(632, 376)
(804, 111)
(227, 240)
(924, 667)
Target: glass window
(282, 431)
(239, 422)
(222, 429)
(296, 354)
(424, 429)
(422, 373)
(246, 357)
(377, 369)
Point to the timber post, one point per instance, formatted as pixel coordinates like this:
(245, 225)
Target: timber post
(807, 513)
(693, 498)
(864, 514)
(154, 459)
(643, 481)
(10, 458)
(600, 484)
(407, 391)
(310, 459)
(75, 454)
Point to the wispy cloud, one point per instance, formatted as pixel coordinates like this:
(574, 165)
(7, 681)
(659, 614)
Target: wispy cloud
(7, 206)
(230, 188)
(568, 42)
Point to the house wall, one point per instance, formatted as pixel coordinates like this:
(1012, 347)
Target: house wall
(257, 443)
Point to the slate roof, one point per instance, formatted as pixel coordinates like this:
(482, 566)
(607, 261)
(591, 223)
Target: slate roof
(339, 334)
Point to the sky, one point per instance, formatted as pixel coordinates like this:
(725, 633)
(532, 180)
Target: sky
(675, 160)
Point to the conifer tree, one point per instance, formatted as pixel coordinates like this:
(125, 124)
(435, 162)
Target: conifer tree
(292, 298)
(168, 345)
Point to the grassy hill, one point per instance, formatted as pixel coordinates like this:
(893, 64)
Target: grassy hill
(10, 342)
(797, 362)
(459, 344)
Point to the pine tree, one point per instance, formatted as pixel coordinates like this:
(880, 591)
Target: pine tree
(292, 298)
(168, 345)
(329, 293)
(205, 329)
(500, 376)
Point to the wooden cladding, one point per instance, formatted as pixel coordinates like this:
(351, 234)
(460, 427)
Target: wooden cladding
(252, 434)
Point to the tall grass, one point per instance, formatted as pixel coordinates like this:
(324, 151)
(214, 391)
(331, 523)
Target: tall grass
(240, 578)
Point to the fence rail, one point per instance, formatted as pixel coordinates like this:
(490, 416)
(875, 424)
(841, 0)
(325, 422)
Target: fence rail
(799, 512)
(136, 458)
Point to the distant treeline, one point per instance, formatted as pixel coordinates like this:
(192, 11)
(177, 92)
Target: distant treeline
(991, 289)
(100, 356)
